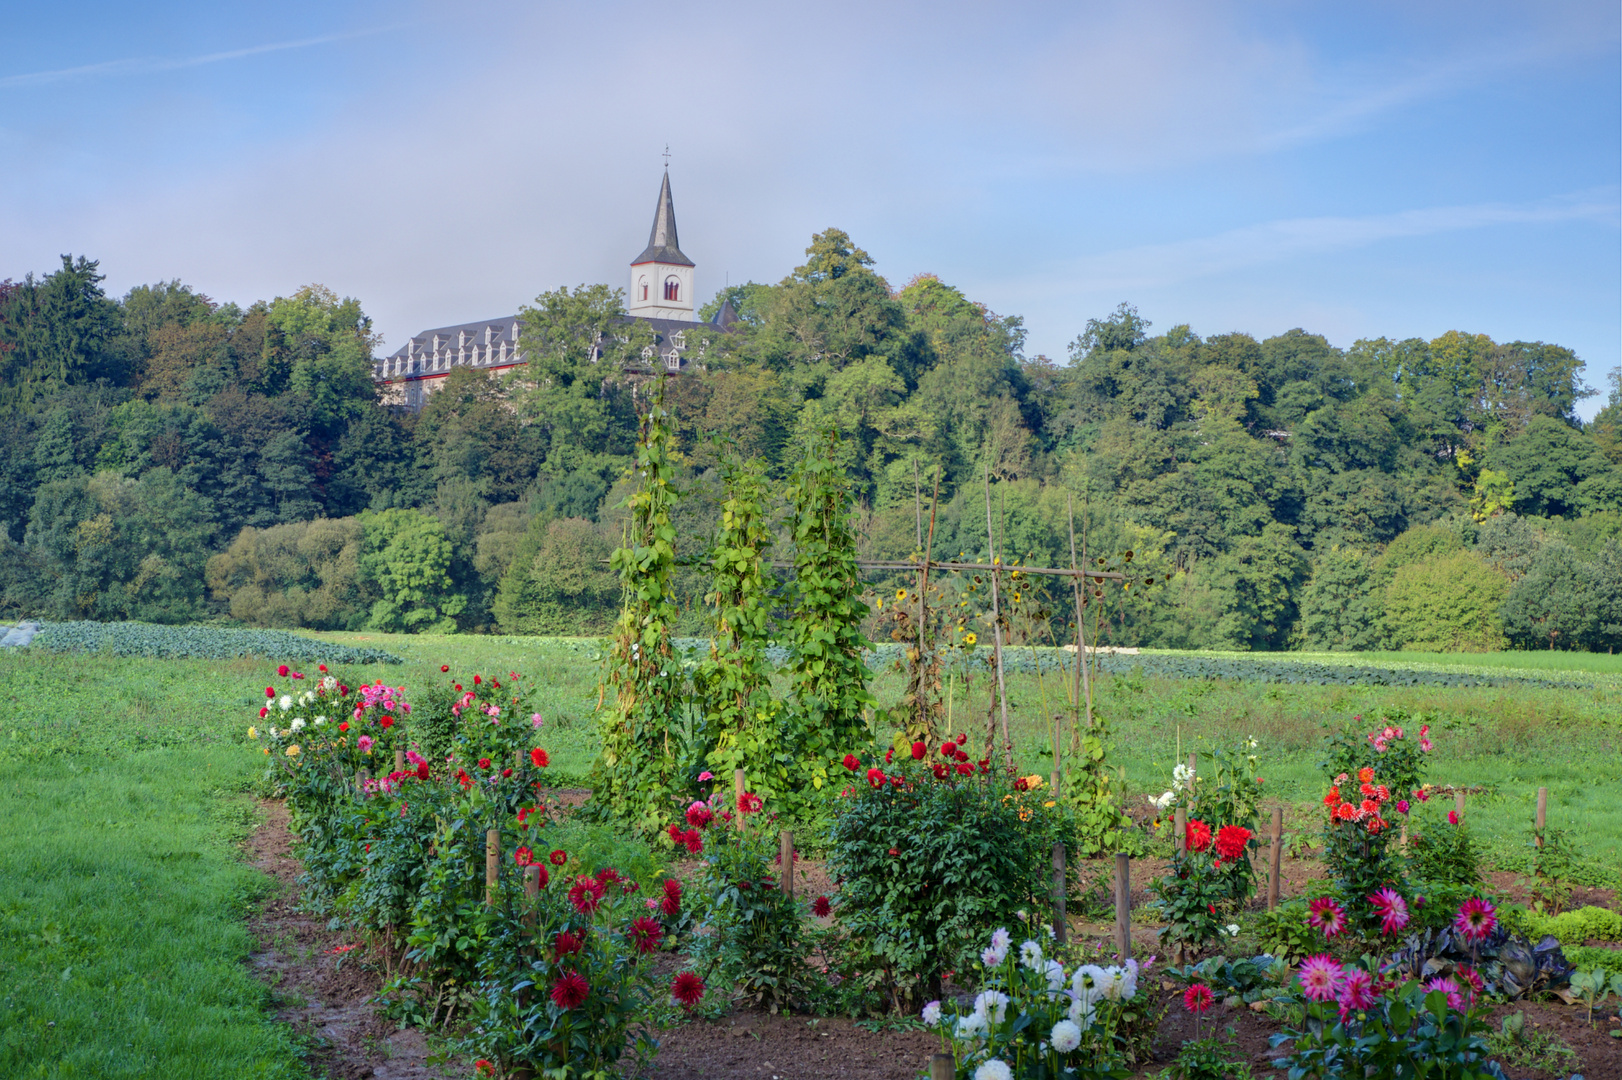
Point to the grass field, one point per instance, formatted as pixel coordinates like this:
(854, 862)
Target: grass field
(123, 797)
(124, 794)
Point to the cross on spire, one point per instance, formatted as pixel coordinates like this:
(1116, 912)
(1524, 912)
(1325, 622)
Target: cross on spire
(666, 155)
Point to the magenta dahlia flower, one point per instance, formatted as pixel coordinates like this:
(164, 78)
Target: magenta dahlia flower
(1327, 916)
(1476, 919)
(1455, 1000)
(1321, 977)
(1356, 990)
(1393, 910)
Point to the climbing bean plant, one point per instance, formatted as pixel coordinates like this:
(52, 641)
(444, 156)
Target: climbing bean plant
(734, 683)
(829, 698)
(634, 780)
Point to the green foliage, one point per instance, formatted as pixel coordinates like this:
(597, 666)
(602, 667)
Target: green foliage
(559, 581)
(198, 643)
(930, 865)
(408, 556)
(828, 676)
(734, 681)
(635, 780)
(1208, 1059)
(305, 573)
(1447, 603)
(751, 935)
(1570, 927)
(1443, 852)
(1406, 1025)
(1285, 932)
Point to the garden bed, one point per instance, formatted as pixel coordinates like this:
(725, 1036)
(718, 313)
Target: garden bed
(332, 1004)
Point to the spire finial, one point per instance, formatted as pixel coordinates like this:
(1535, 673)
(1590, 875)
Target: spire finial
(666, 155)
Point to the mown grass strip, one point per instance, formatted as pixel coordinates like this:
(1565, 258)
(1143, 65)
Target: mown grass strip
(122, 889)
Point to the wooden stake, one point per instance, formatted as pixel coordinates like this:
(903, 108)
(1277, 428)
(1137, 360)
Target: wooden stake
(996, 628)
(785, 855)
(492, 864)
(1543, 813)
(1180, 825)
(1277, 855)
(1458, 804)
(1084, 683)
(399, 761)
(1123, 905)
(942, 1067)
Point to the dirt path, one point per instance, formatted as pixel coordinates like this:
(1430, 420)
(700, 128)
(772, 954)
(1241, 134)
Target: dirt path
(326, 1002)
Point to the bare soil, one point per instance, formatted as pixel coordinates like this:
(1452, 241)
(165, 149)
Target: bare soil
(331, 1003)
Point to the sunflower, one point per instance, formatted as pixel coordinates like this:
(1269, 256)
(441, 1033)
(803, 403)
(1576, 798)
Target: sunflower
(969, 638)
(901, 594)
(1016, 598)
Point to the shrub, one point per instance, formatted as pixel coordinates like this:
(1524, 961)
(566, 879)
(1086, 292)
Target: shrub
(1569, 928)
(1443, 851)
(1208, 880)
(931, 859)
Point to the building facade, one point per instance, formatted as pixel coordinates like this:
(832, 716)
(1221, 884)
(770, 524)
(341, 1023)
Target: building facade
(661, 295)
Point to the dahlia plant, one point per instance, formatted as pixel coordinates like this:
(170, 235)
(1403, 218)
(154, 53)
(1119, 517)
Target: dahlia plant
(1357, 847)
(1205, 884)
(1034, 1020)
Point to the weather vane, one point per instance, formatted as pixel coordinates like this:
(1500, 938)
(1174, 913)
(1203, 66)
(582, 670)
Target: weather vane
(667, 155)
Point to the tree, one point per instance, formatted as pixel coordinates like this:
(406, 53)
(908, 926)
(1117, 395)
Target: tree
(1339, 609)
(306, 573)
(62, 330)
(407, 558)
(565, 587)
(1546, 463)
(1559, 603)
(1446, 603)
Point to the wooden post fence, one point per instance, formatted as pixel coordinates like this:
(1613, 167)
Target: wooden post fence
(1277, 857)
(399, 761)
(492, 864)
(1061, 926)
(785, 855)
(1123, 905)
(942, 1067)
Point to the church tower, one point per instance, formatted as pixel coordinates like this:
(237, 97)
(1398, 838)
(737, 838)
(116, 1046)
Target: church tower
(662, 277)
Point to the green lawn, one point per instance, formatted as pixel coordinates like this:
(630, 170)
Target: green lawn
(122, 890)
(124, 796)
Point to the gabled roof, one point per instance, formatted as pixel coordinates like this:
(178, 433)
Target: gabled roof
(662, 246)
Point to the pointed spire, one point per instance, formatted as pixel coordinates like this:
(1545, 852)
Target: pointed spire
(662, 246)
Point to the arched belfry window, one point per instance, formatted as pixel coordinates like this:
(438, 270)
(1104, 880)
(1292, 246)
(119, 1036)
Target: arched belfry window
(672, 289)
(642, 285)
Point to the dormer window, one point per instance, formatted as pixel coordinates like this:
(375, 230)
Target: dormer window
(672, 289)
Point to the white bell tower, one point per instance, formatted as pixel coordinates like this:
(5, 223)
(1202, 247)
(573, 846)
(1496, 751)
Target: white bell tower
(662, 277)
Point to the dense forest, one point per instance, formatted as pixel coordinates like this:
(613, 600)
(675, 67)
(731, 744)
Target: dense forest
(168, 458)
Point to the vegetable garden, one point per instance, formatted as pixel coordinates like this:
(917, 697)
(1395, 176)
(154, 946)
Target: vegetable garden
(947, 834)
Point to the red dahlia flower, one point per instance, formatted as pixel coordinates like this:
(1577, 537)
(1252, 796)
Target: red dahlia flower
(264, 712)
(523, 856)
(1197, 836)
(918, 751)
(565, 943)
(484, 763)
(607, 875)
(281, 669)
(477, 679)
(322, 668)
(698, 815)
(948, 750)
(940, 771)
(749, 803)
(852, 762)
(586, 894)
(422, 771)
(1197, 998)
(965, 769)
(343, 725)
(875, 776)
(647, 933)
(270, 691)
(385, 722)
(687, 989)
(539, 758)
(671, 904)
(444, 667)
(1231, 841)
(889, 755)
(571, 990)
(694, 842)
(820, 907)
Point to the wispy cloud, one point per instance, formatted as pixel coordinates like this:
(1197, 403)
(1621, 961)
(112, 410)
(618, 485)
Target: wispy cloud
(146, 65)
(1156, 265)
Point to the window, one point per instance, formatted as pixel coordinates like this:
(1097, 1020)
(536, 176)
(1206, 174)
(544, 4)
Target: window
(672, 289)
(643, 285)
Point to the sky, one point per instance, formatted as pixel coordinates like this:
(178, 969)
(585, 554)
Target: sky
(1357, 170)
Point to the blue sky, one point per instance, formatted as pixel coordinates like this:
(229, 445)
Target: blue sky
(1357, 170)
